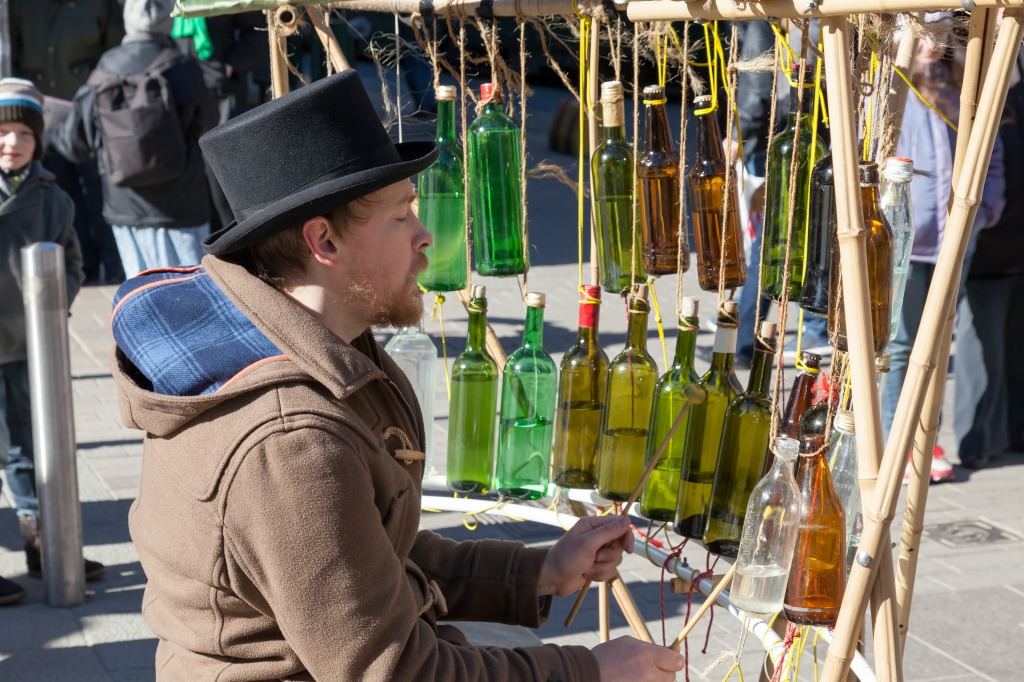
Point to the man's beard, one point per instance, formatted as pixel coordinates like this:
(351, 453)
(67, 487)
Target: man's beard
(402, 308)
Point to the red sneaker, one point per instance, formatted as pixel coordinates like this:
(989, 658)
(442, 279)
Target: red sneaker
(941, 471)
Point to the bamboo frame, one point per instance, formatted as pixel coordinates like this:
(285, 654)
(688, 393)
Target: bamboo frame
(673, 10)
(278, 60)
(318, 17)
(879, 510)
(704, 608)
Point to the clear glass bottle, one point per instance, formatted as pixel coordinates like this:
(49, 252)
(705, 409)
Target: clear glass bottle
(658, 502)
(632, 376)
(657, 174)
(842, 462)
(821, 239)
(496, 192)
(880, 268)
(526, 419)
(777, 191)
(817, 578)
(442, 206)
(895, 203)
(704, 429)
(741, 456)
(474, 406)
(582, 384)
(707, 179)
(612, 170)
(415, 353)
(769, 537)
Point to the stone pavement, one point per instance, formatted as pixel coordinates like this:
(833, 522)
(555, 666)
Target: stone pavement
(966, 621)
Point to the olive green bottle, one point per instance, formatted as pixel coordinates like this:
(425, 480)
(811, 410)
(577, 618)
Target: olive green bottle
(632, 376)
(658, 502)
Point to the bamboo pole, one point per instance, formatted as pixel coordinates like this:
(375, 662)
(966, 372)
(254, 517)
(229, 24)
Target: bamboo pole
(603, 620)
(278, 57)
(879, 511)
(979, 52)
(594, 87)
(898, 90)
(704, 608)
(672, 10)
(320, 22)
(853, 260)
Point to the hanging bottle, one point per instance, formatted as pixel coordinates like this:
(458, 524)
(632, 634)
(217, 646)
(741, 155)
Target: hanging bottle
(880, 268)
(415, 353)
(719, 251)
(777, 193)
(612, 181)
(474, 405)
(801, 396)
(817, 578)
(627, 416)
(704, 429)
(741, 456)
(525, 421)
(815, 420)
(658, 502)
(442, 206)
(821, 239)
(895, 202)
(883, 363)
(769, 537)
(583, 377)
(842, 461)
(495, 146)
(657, 174)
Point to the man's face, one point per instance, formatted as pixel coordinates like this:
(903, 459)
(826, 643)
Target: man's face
(383, 254)
(17, 145)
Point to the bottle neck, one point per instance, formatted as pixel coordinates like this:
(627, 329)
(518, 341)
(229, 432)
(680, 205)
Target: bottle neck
(589, 315)
(637, 332)
(724, 348)
(761, 372)
(657, 136)
(709, 140)
(493, 106)
(686, 343)
(533, 333)
(445, 120)
(613, 133)
(477, 325)
(801, 108)
(869, 199)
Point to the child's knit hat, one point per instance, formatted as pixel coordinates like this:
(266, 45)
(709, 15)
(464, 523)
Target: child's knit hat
(20, 102)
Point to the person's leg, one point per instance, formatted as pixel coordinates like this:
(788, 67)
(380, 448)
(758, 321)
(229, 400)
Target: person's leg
(184, 246)
(102, 234)
(1013, 372)
(21, 469)
(132, 257)
(919, 277)
(749, 319)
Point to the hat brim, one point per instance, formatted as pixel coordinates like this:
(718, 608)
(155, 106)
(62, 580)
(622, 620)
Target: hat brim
(319, 199)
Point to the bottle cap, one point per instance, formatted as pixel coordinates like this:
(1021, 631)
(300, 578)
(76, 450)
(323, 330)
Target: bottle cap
(640, 292)
(489, 92)
(446, 93)
(868, 174)
(479, 291)
(787, 449)
(536, 300)
(690, 306)
(844, 420)
(590, 291)
(883, 361)
(768, 330)
(702, 99)
(812, 360)
(654, 92)
(731, 307)
(898, 169)
(611, 91)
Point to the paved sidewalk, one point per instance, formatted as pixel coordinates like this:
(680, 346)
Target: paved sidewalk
(966, 621)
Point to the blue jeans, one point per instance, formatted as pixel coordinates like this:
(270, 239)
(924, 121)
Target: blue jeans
(16, 436)
(146, 248)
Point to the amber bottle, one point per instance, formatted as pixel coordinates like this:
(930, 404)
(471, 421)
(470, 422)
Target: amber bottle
(657, 175)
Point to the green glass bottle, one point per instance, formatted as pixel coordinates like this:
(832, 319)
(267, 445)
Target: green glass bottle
(612, 183)
(442, 206)
(474, 406)
(704, 429)
(527, 410)
(657, 174)
(583, 377)
(743, 451)
(821, 239)
(632, 376)
(777, 191)
(658, 502)
(496, 192)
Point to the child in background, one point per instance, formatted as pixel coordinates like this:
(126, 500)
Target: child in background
(32, 209)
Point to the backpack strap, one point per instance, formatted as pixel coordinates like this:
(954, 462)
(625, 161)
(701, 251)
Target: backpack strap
(165, 60)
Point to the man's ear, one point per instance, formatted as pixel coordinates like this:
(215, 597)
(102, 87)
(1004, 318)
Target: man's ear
(322, 241)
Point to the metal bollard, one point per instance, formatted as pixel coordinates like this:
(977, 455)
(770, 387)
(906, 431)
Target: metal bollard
(53, 425)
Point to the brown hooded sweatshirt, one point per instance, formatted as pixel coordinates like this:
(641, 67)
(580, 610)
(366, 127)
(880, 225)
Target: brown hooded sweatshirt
(279, 504)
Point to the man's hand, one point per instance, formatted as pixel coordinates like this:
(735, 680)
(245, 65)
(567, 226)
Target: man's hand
(590, 550)
(630, 659)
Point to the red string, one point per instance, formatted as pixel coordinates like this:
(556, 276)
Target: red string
(675, 554)
(709, 573)
(649, 539)
(792, 632)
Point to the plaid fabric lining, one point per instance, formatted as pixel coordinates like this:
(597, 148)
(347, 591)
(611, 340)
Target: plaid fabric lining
(183, 333)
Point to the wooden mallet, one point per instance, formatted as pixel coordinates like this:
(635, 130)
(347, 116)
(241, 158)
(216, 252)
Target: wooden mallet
(694, 396)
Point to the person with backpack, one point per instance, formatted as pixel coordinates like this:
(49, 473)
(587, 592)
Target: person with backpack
(141, 114)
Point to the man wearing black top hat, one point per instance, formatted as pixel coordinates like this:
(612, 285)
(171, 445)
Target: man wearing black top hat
(279, 503)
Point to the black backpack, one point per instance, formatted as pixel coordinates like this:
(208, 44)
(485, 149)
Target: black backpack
(143, 139)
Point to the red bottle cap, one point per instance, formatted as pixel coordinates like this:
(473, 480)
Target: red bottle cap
(486, 91)
(590, 303)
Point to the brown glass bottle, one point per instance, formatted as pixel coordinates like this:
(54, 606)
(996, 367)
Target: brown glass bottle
(801, 396)
(719, 252)
(879, 258)
(657, 176)
(817, 578)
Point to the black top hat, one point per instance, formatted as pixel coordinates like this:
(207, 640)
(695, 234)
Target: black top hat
(303, 155)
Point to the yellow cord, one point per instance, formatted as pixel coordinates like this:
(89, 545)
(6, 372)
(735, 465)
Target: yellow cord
(712, 45)
(661, 52)
(438, 313)
(869, 109)
(657, 318)
(923, 100)
(585, 28)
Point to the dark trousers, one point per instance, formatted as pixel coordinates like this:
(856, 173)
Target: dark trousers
(16, 436)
